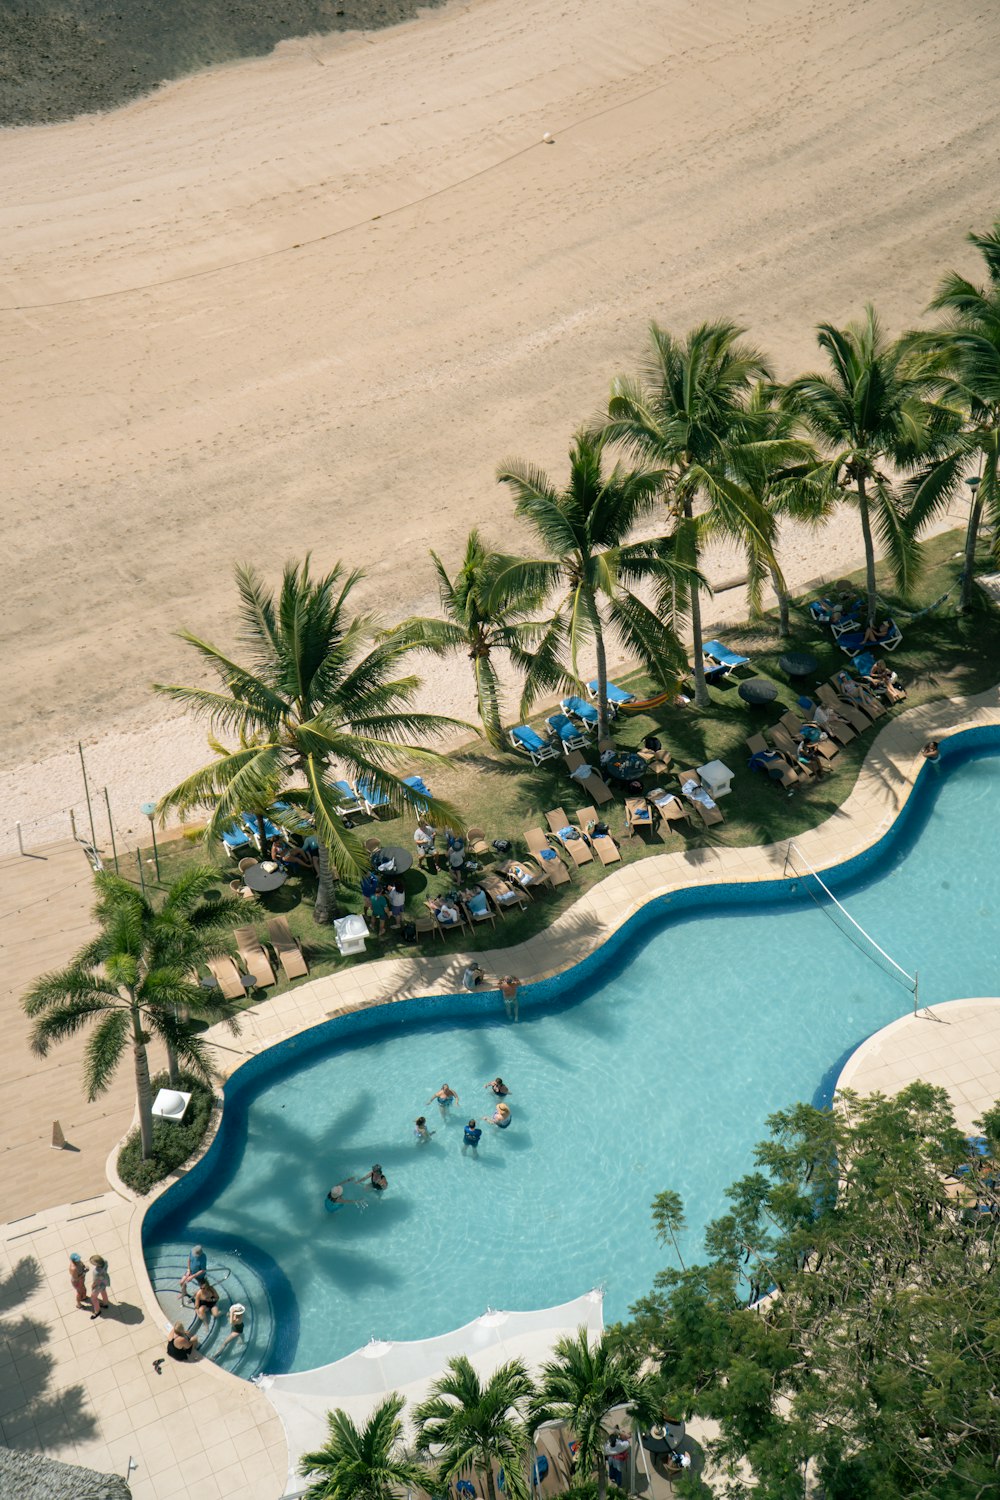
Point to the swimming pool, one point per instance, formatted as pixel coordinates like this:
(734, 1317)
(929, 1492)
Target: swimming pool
(652, 1065)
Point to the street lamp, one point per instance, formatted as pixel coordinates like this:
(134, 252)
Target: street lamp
(149, 810)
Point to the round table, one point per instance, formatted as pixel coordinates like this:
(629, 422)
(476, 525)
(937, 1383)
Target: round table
(401, 858)
(657, 1446)
(758, 691)
(798, 664)
(625, 766)
(247, 981)
(259, 879)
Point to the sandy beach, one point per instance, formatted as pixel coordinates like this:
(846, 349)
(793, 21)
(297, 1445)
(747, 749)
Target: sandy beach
(309, 302)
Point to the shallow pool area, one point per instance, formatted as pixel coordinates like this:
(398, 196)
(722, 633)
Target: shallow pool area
(652, 1065)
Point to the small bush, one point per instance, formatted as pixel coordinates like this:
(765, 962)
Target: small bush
(172, 1144)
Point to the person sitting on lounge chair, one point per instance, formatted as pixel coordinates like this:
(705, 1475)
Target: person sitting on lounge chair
(883, 681)
(290, 858)
(875, 633)
(855, 692)
(446, 911)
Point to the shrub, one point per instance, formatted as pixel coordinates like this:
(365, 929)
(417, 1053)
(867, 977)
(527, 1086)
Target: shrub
(172, 1144)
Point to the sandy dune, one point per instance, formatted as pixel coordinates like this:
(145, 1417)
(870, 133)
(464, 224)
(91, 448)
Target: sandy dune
(310, 301)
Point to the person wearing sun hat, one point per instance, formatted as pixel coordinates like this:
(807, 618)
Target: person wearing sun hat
(78, 1279)
(236, 1315)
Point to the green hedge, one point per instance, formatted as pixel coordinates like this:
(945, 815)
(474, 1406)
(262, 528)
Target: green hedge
(172, 1144)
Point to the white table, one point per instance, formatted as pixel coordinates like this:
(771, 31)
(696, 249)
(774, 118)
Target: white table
(716, 778)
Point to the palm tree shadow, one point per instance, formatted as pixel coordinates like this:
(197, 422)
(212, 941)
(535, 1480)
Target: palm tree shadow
(62, 1414)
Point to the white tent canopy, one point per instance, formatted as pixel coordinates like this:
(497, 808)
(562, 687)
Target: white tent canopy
(358, 1382)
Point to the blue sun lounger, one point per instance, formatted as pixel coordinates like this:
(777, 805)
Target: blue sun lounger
(586, 712)
(722, 654)
(371, 797)
(570, 735)
(523, 737)
(616, 695)
(235, 837)
(418, 784)
(271, 831)
(350, 804)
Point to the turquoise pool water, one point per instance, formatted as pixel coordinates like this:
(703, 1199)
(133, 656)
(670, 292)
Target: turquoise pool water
(653, 1066)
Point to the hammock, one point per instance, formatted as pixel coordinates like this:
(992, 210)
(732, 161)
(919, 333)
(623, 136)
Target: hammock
(642, 705)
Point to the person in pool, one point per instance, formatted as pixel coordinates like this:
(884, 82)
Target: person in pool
(335, 1197)
(375, 1179)
(471, 1135)
(236, 1315)
(196, 1268)
(498, 1087)
(420, 1129)
(445, 1098)
(501, 1119)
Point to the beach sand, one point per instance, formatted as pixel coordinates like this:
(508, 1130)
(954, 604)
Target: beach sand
(310, 301)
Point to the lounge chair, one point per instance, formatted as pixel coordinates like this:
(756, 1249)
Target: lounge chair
(571, 736)
(638, 815)
(867, 702)
(523, 737)
(370, 795)
(700, 799)
(713, 671)
(444, 927)
(225, 971)
(524, 877)
(772, 762)
(841, 732)
(288, 951)
(478, 909)
(656, 760)
(417, 784)
(795, 724)
(585, 712)
(547, 858)
(271, 830)
(588, 778)
(255, 960)
(602, 844)
(234, 838)
(552, 871)
(569, 837)
(617, 696)
(783, 741)
(670, 808)
(349, 804)
(722, 654)
(849, 711)
(502, 893)
(847, 619)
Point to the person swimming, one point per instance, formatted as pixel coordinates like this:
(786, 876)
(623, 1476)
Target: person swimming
(498, 1086)
(471, 1135)
(335, 1198)
(420, 1129)
(502, 1117)
(375, 1179)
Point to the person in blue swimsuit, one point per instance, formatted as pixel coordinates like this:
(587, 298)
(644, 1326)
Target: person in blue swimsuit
(502, 1117)
(471, 1136)
(445, 1098)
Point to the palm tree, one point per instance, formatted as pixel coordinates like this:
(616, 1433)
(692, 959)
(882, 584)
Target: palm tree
(365, 1464)
(317, 690)
(476, 1425)
(688, 413)
(480, 623)
(585, 529)
(134, 981)
(581, 1386)
(872, 413)
(796, 490)
(967, 346)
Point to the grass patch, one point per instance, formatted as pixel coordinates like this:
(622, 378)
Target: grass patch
(172, 1143)
(942, 654)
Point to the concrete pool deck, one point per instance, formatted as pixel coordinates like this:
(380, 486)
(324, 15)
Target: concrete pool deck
(85, 1392)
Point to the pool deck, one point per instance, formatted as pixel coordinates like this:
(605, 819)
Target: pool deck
(86, 1392)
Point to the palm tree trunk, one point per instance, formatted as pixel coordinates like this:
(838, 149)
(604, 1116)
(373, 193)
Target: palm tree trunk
(491, 1490)
(782, 598)
(326, 906)
(173, 1068)
(700, 685)
(602, 679)
(971, 538)
(143, 1090)
(602, 1477)
(866, 533)
(261, 836)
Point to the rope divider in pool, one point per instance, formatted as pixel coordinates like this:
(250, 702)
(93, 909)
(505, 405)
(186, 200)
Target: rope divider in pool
(869, 946)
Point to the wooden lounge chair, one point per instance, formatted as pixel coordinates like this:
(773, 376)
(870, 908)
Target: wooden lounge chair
(474, 917)
(638, 815)
(670, 807)
(225, 971)
(288, 951)
(783, 741)
(552, 871)
(255, 960)
(523, 877)
(593, 783)
(576, 847)
(602, 844)
(545, 856)
(794, 724)
(443, 927)
(502, 893)
(849, 711)
(868, 704)
(778, 769)
(839, 730)
(708, 815)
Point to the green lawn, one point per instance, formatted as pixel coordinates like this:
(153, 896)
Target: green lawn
(941, 655)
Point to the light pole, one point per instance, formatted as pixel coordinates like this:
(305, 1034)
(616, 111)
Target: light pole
(149, 809)
(971, 538)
